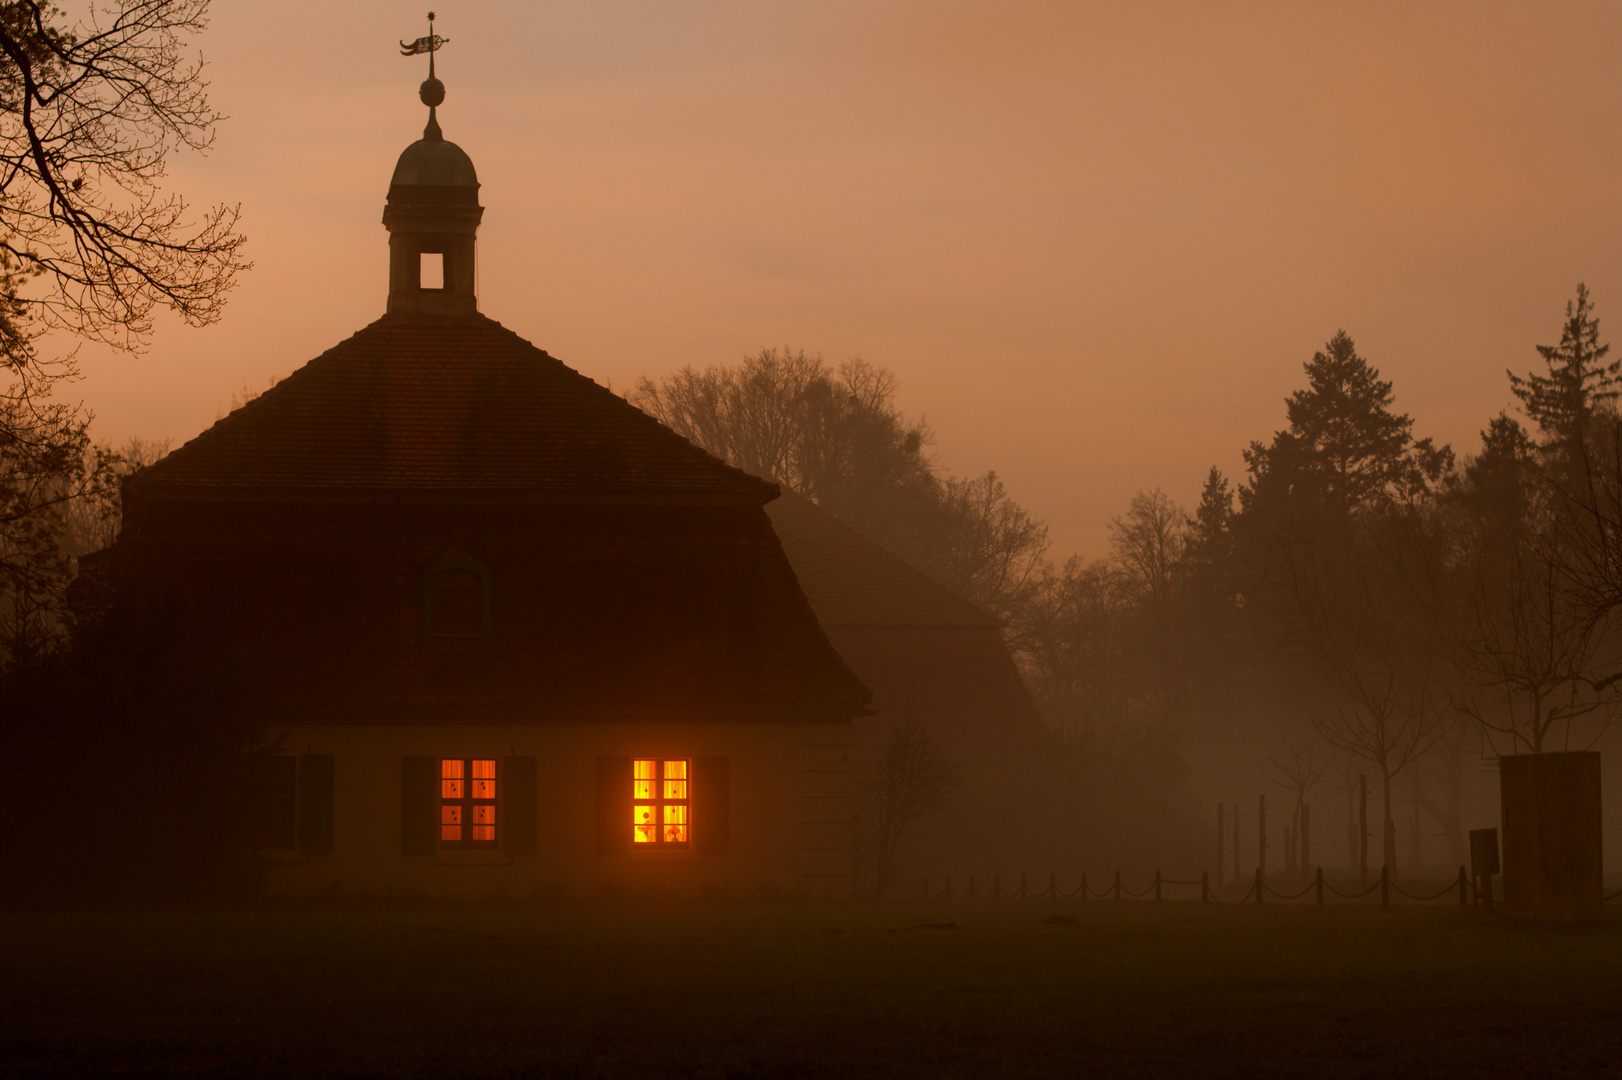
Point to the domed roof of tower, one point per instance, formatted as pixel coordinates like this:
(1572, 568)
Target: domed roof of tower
(435, 162)
(431, 161)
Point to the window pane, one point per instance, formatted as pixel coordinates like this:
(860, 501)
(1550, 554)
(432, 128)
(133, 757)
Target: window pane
(646, 834)
(675, 834)
(484, 789)
(450, 815)
(642, 789)
(450, 789)
(450, 767)
(484, 770)
(484, 815)
(676, 815)
(675, 789)
(642, 815)
(450, 832)
(675, 770)
(484, 832)
(646, 770)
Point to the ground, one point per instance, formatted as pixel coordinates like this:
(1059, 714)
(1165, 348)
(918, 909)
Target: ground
(984, 989)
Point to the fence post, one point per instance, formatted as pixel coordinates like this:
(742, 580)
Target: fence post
(1385, 886)
(1205, 886)
(1117, 884)
(1053, 884)
(1084, 884)
(1260, 885)
(1462, 901)
(1157, 886)
(1320, 886)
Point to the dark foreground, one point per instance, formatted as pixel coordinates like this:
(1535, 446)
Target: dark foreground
(1027, 989)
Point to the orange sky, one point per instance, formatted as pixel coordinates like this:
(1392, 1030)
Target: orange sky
(1096, 241)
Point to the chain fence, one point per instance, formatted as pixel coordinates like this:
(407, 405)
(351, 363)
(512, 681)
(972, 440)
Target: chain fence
(1259, 890)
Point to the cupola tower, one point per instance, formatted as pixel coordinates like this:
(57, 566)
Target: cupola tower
(432, 215)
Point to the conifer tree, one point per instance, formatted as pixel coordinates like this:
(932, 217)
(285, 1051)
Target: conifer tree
(1208, 540)
(1344, 447)
(1563, 402)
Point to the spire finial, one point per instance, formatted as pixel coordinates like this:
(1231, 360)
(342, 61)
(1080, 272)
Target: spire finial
(432, 91)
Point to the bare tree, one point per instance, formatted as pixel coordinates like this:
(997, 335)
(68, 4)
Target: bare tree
(91, 114)
(1148, 545)
(1297, 771)
(912, 780)
(1356, 634)
(995, 551)
(837, 437)
(1075, 658)
(91, 243)
(1527, 646)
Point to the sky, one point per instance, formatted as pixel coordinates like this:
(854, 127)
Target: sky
(1095, 241)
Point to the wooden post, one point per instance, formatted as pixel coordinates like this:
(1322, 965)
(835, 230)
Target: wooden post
(1306, 837)
(1238, 871)
(1385, 885)
(1117, 884)
(1363, 828)
(1320, 886)
(1220, 839)
(1259, 885)
(1157, 885)
(1205, 886)
(1261, 834)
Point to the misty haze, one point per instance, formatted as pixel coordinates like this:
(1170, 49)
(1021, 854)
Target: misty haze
(876, 540)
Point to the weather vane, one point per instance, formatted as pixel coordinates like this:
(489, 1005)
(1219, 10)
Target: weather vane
(430, 45)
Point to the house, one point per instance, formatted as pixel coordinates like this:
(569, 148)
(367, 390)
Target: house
(934, 658)
(508, 631)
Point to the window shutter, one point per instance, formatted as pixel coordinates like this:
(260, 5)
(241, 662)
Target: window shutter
(712, 805)
(613, 805)
(419, 805)
(273, 795)
(517, 825)
(315, 804)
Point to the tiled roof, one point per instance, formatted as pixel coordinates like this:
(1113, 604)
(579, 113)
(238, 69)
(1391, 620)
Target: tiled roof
(853, 582)
(598, 613)
(434, 406)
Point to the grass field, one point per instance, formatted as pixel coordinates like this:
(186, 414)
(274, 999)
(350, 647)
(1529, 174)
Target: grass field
(1026, 989)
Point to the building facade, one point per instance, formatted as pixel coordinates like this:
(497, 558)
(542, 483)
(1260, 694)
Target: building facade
(505, 631)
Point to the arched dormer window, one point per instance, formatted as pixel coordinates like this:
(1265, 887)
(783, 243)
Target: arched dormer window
(456, 599)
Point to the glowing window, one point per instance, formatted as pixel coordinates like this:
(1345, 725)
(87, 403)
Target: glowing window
(467, 802)
(659, 813)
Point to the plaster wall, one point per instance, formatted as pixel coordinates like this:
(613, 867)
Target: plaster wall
(789, 820)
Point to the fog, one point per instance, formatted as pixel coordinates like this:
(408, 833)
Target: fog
(902, 539)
